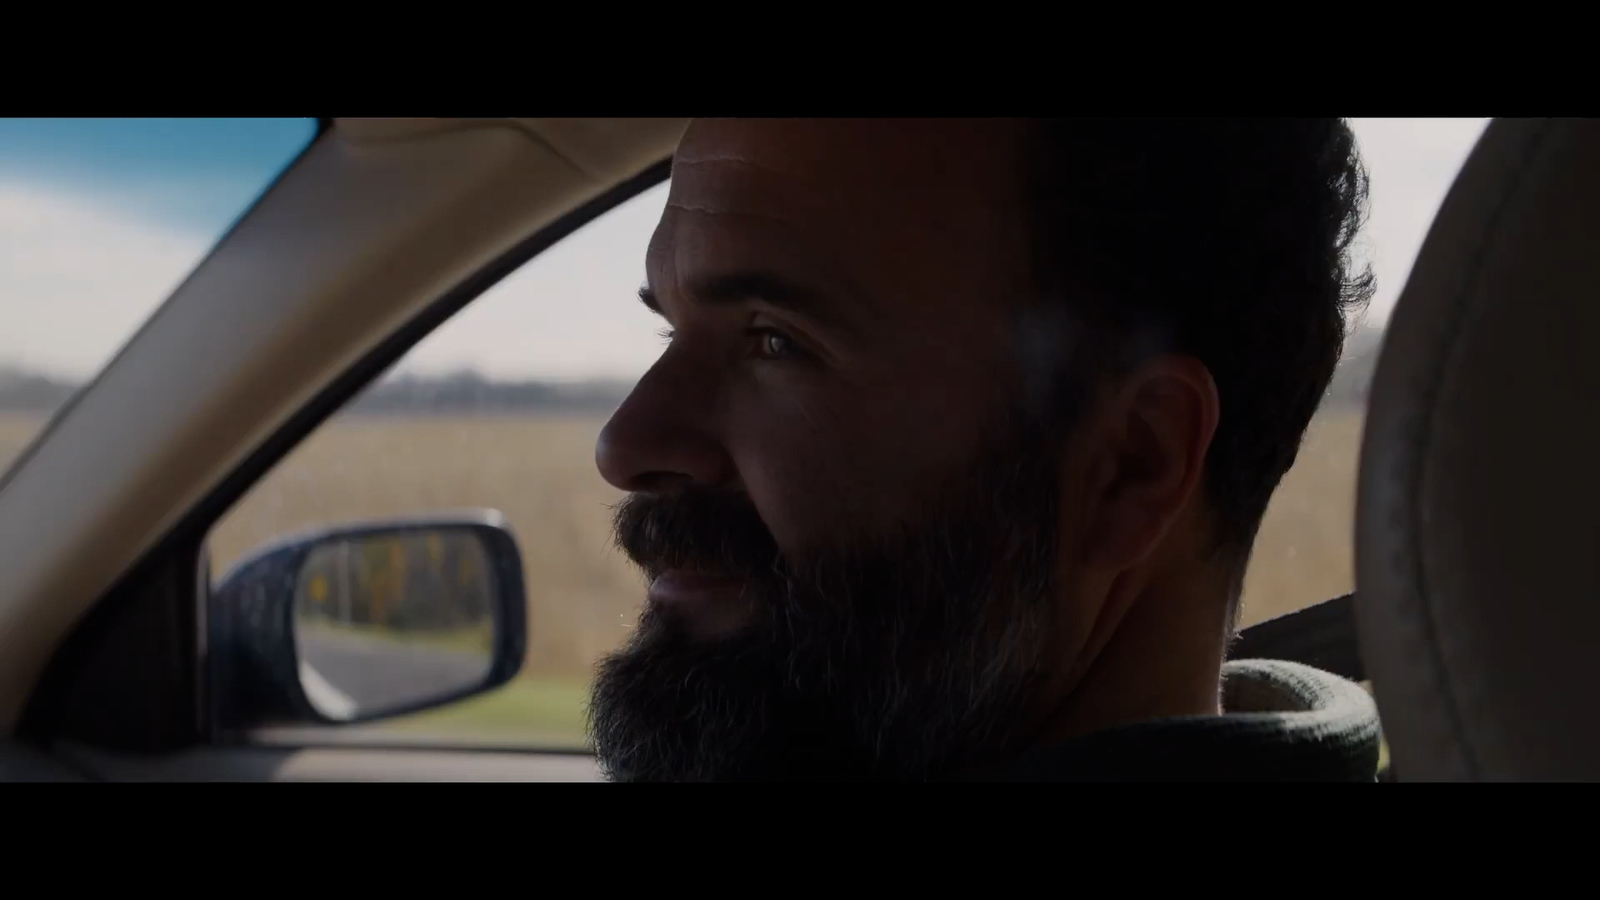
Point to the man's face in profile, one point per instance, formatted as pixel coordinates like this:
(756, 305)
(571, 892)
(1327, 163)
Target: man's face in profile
(842, 486)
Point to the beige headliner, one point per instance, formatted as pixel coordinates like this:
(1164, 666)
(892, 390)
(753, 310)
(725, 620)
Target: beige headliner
(380, 217)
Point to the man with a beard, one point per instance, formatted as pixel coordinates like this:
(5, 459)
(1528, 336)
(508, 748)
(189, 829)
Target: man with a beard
(953, 462)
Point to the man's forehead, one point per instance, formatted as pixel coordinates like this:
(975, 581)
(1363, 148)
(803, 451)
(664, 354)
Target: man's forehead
(951, 181)
(885, 156)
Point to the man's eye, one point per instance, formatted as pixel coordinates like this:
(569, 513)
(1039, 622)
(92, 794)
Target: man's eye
(775, 344)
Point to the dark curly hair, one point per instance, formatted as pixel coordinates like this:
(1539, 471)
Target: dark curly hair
(1228, 240)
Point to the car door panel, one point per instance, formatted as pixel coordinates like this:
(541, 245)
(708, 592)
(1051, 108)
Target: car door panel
(330, 763)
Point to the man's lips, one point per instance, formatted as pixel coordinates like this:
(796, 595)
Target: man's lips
(710, 604)
(680, 586)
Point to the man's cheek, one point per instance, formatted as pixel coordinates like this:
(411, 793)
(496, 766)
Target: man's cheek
(812, 485)
(859, 466)
(800, 498)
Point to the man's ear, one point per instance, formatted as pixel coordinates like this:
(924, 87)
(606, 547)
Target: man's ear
(1151, 455)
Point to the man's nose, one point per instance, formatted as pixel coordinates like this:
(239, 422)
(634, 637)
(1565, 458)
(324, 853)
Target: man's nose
(660, 439)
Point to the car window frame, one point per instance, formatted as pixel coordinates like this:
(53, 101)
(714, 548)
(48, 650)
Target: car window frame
(323, 126)
(100, 688)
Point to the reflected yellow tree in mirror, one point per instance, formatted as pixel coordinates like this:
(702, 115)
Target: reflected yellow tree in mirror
(431, 587)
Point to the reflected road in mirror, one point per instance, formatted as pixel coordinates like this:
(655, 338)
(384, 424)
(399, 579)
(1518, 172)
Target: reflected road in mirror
(393, 619)
(345, 675)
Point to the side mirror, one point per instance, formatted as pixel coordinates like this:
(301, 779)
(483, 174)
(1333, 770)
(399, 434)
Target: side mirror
(366, 622)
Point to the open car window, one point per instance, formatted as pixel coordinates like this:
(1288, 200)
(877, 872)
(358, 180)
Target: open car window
(1304, 552)
(100, 219)
(499, 408)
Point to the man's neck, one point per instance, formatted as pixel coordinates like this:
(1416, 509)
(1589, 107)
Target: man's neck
(1160, 657)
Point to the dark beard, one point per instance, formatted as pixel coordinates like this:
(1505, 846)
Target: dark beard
(908, 657)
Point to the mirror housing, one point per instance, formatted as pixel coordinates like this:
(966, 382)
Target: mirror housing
(330, 627)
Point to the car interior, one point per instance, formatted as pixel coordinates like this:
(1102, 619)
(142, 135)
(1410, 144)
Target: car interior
(1472, 608)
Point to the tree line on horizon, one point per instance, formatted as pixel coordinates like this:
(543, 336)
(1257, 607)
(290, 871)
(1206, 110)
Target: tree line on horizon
(408, 394)
(22, 391)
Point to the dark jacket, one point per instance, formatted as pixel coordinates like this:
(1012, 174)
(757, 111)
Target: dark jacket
(1281, 721)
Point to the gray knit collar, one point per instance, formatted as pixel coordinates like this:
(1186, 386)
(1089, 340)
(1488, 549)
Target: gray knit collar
(1282, 721)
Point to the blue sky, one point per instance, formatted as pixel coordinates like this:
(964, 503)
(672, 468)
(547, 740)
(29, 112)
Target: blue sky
(101, 218)
(195, 174)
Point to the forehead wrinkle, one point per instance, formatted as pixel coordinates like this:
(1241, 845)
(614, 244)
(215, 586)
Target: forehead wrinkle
(714, 210)
(673, 262)
(783, 202)
(727, 159)
(868, 219)
(840, 204)
(840, 227)
(790, 232)
(732, 161)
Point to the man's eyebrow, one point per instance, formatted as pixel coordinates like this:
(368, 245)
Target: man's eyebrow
(741, 287)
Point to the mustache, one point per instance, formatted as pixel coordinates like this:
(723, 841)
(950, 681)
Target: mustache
(697, 529)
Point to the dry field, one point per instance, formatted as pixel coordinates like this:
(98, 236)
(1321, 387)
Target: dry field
(582, 595)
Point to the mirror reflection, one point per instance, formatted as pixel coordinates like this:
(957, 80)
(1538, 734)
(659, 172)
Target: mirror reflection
(392, 619)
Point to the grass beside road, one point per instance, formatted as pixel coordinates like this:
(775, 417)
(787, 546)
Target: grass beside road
(531, 712)
(543, 712)
(474, 640)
